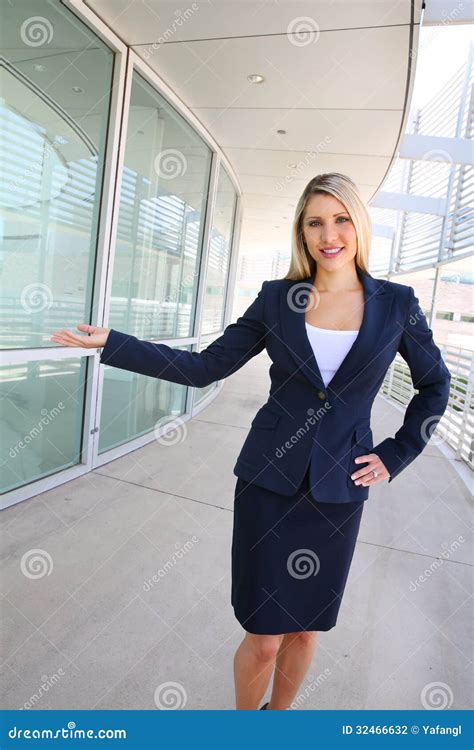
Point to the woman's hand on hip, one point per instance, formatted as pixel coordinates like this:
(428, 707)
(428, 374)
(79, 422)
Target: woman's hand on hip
(96, 337)
(364, 476)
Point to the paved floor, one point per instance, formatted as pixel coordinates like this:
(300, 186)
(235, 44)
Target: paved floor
(136, 612)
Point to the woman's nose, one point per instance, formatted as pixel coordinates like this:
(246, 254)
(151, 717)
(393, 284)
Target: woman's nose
(329, 239)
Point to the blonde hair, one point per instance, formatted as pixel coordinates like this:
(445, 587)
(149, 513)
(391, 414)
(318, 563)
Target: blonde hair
(344, 189)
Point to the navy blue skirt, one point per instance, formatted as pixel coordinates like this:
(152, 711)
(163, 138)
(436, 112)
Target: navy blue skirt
(291, 556)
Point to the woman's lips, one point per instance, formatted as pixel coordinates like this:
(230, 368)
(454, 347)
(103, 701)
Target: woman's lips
(332, 254)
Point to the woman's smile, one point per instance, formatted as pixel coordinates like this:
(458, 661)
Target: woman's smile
(332, 252)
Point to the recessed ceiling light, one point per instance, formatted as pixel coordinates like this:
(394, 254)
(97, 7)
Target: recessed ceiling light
(77, 90)
(255, 78)
(39, 68)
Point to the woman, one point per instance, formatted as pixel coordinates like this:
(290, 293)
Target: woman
(331, 330)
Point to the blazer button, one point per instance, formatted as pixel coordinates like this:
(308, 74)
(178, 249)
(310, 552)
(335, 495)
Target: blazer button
(321, 395)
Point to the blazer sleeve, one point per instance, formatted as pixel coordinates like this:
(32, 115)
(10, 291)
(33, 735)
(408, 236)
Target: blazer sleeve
(431, 378)
(239, 342)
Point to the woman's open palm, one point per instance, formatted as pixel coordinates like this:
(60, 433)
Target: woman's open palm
(96, 337)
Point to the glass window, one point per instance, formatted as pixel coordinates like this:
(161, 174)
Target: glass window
(163, 198)
(134, 404)
(41, 406)
(55, 88)
(219, 256)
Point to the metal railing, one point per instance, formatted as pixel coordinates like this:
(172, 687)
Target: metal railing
(421, 239)
(456, 427)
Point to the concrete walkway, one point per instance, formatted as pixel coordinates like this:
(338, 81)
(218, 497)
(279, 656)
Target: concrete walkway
(136, 611)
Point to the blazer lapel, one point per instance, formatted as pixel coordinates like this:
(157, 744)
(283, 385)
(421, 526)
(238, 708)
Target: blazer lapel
(377, 305)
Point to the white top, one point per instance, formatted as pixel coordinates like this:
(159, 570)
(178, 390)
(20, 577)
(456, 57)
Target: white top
(330, 348)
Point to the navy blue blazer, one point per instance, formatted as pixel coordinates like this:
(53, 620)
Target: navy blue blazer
(303, 421)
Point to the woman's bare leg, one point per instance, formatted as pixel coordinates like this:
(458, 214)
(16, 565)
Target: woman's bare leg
(253, 666)
(292, 662)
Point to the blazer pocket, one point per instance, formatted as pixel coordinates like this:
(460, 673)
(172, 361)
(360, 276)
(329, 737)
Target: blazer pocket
(362, 443)
(266, 419)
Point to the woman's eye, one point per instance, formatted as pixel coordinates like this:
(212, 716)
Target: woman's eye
(315, 221)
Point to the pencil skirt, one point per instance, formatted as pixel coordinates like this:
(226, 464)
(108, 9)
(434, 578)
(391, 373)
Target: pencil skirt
(290, 558)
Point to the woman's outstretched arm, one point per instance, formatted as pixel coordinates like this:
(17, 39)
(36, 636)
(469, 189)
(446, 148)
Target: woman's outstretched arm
(240, 342)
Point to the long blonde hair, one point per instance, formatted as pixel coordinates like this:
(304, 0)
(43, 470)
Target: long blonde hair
(344, 189)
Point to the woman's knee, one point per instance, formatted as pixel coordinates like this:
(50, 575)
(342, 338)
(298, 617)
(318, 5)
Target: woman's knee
(303, 638)
(265, 647)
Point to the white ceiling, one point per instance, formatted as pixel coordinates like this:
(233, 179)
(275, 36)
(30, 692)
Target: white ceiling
(339, 92)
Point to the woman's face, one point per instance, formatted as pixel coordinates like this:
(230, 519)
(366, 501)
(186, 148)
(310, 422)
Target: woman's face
(326, 226)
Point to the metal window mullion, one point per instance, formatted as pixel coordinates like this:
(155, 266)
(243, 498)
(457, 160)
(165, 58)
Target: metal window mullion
(206, 240)
(233, 260)
(14, 357)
